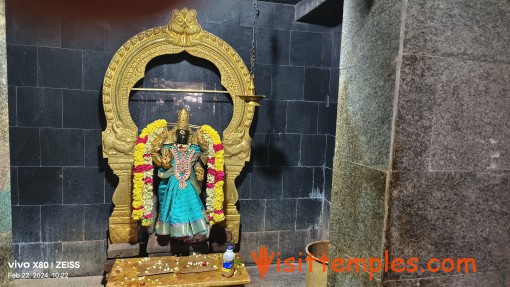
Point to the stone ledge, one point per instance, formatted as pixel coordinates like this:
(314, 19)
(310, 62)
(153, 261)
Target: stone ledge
(320, 12)
(123, 250)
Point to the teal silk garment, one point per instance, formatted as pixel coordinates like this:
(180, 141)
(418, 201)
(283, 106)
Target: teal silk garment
(181, 212)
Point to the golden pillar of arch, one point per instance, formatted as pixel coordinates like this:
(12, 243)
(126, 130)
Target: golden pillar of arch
(182, 34)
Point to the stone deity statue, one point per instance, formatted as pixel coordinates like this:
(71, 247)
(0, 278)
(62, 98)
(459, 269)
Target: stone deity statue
(180, 158)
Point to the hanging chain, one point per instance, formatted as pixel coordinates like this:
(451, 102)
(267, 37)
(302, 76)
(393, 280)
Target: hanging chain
(255, 16)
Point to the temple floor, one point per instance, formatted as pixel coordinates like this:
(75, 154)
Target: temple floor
(272, 278)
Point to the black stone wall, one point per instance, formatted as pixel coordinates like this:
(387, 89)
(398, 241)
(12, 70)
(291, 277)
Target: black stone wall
(61, 186)
(421, 168)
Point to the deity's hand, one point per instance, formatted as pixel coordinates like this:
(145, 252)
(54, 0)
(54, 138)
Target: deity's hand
(165, 155)
(166, 158)
(201, 141)
(199, 171)
(155, 148)
(157, 143)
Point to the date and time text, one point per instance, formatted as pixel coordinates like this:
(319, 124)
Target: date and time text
(56, 269)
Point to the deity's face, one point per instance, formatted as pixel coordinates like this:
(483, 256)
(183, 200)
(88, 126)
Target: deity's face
(182, 136)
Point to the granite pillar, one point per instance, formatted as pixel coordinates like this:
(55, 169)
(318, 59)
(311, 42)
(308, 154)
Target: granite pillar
(5, 180)
(421, 159)
(370, 45)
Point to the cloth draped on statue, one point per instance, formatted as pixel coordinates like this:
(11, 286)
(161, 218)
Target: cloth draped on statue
(182, 214)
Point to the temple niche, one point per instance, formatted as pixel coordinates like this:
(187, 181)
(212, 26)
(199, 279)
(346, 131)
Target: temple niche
(187, 157)
(172, 83)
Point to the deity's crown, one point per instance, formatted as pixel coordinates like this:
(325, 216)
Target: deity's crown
(182, 119)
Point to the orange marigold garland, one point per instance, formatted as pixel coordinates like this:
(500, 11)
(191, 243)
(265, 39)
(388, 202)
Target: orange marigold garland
(143, 173)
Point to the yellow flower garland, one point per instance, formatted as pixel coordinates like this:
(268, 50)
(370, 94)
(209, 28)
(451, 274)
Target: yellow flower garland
(214, 204)
(142, 192)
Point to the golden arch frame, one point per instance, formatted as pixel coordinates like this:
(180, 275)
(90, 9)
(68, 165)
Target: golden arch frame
(182, 34)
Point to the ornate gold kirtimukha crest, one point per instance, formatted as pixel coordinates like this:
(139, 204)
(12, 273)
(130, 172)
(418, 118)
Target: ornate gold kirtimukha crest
(184, 28)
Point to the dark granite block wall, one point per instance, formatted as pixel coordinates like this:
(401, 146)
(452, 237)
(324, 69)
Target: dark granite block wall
(290, 175)
(62, 187)
(421, 140)
(450, 167)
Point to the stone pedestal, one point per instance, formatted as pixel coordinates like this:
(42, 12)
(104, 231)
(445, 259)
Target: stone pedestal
(123, 250)
(218, 241)
(166, 246)
(125, 272)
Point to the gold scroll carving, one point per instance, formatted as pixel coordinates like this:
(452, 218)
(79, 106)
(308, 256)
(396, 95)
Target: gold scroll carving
(182, 34)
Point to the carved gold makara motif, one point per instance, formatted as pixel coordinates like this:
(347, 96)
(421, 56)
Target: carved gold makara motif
(182, 34)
